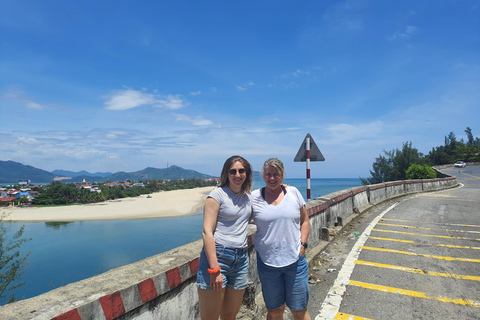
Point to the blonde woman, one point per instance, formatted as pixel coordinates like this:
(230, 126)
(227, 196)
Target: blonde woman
(280, 241)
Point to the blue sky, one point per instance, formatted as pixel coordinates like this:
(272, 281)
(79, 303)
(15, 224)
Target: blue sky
(124, 85)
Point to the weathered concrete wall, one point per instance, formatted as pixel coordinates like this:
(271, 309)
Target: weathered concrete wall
(318, 209)
(163, 286)
(394, 188)
(340, 206)
(413, 186)
(434, 184)
(376, 192)
(360, 198)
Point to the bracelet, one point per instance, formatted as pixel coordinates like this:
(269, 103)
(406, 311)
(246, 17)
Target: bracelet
(212, 271)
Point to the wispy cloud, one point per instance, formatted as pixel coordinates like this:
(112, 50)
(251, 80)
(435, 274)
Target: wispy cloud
(18, 96)
(405, 34)
(353, 133)
(244, 87)
(197, 121)
(130, 98)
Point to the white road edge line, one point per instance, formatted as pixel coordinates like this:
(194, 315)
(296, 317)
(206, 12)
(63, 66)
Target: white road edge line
(331, 305)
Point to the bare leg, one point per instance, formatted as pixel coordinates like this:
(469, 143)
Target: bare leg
(276, 314)
(231, 303)
(210, 303)
(301, 315)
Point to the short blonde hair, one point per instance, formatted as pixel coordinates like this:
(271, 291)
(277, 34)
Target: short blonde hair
(275, 163)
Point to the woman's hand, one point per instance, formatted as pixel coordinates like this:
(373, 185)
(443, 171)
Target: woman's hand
(302, 250)
(216, 281)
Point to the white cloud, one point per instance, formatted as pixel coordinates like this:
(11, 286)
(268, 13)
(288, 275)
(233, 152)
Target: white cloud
(25, 140)
(348, 133)
(197, 121)
(129, 98)
(18, 96)
(245, 87)
(405, 34)
(196, 93)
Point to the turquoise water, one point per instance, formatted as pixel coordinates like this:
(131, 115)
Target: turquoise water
(62, 253)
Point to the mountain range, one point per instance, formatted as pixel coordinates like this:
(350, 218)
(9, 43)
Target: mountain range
(12, 172)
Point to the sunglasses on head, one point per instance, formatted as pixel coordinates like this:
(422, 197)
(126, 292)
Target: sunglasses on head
(234, 171)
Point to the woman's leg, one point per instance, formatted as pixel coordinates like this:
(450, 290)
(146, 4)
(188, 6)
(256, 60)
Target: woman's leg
(231, 303)
(276, 314)
(210, 303)
(300, 315)
(296, 277)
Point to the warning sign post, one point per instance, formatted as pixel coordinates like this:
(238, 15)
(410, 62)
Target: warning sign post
(308, 152)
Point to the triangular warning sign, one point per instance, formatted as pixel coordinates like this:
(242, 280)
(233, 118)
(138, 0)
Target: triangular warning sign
(315, 154)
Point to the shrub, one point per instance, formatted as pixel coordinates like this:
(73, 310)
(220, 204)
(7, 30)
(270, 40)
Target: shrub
(417, 171)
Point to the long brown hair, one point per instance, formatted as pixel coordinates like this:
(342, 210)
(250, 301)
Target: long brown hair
(247, 184)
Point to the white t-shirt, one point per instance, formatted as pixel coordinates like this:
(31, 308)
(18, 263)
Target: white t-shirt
(277, 239)
(232, 223)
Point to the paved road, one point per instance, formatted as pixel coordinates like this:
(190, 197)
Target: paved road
(417, 257)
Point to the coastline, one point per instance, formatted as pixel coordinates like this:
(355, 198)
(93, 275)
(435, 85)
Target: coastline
(164, 204)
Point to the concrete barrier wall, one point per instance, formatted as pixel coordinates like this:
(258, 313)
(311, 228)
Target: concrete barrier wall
(376, 192)
(413, 186)
(318, 209)
(394, 188)
(360, 198)
(164, 286)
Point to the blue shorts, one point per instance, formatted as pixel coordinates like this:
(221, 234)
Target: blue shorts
(285, 284)
(234, 264)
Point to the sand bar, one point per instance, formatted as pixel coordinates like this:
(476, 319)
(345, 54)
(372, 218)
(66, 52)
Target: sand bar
(164, 204)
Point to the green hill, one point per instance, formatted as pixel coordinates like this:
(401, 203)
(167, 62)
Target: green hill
(173, 172)
(12, 172)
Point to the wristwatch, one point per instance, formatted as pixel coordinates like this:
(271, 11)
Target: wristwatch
(304, 244)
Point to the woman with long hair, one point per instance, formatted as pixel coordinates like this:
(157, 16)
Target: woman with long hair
(223, 268)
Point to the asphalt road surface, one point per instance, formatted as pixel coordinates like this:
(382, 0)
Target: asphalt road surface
(416, 257)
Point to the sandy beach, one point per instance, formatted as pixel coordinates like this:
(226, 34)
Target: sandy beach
(163, 204)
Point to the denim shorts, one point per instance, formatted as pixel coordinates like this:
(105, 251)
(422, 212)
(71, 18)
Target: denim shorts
(234, 265)
(285, 284)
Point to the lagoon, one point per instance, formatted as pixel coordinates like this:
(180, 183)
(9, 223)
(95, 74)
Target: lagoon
(62, 253)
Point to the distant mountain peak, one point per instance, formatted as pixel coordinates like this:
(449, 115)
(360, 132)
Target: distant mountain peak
(12, 172)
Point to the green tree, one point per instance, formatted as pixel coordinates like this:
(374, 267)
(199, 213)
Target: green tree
(470, 138)
(393, 164)
(418, 171)
(12, 262)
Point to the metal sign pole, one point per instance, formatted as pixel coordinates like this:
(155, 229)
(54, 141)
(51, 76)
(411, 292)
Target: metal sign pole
(308, 152)
(308, 168)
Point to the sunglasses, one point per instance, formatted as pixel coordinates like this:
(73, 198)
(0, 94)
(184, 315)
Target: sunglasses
(234, 171)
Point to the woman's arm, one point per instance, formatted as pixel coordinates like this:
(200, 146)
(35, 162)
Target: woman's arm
(210, 216)
(304, 228)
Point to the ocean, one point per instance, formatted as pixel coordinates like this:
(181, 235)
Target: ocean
(62, 253)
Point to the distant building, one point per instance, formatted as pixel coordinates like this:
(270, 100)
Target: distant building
(7, 201)
(24, 182)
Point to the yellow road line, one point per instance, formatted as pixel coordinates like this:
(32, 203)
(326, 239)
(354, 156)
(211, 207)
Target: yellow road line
(417, 271)
(415, 227)
(417, 294)
(443, 224)
(469, 175)
(344, 316)
(425, 235)
(426, 244)
(421, 255)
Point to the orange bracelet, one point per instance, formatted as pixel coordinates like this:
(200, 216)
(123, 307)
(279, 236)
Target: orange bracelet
(212, 271)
